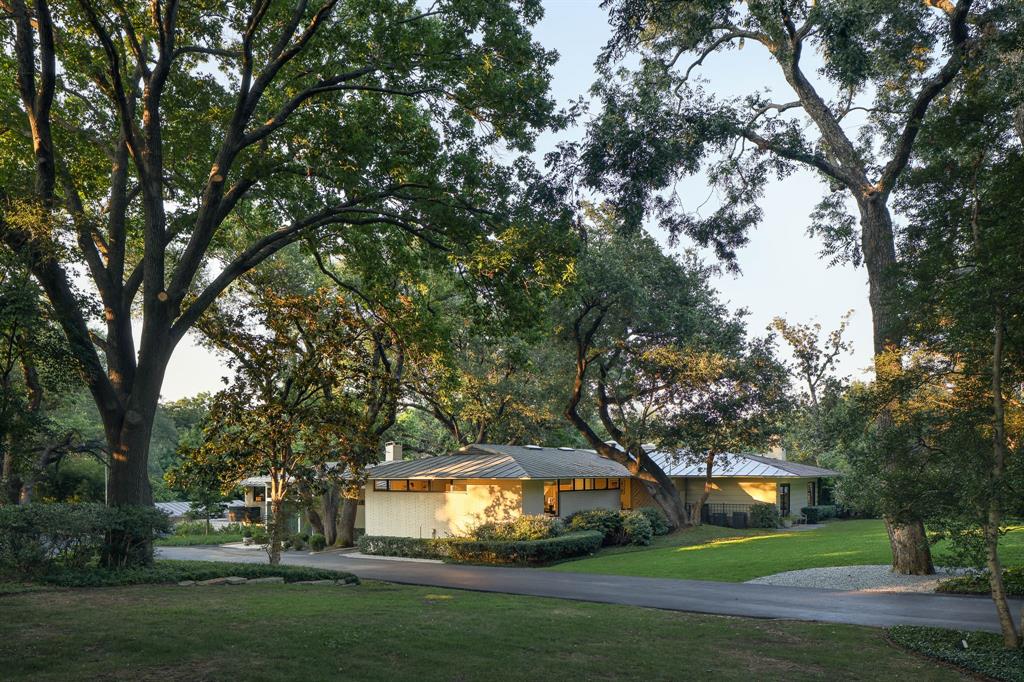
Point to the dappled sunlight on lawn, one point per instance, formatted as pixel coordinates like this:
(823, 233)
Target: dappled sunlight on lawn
(734, 541)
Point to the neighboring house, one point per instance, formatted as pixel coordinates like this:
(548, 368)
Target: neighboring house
(178, 511)
(450, 494)
(740, 480)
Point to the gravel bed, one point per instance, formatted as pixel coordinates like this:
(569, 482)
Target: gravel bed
(873, 578)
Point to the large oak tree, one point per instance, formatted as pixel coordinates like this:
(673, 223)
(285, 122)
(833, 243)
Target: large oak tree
(153, 152)
(860, 79)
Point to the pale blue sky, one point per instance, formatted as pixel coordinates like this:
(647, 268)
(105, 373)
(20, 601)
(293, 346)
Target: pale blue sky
(781, 271)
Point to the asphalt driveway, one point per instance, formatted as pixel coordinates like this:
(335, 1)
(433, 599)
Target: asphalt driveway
(727, 599)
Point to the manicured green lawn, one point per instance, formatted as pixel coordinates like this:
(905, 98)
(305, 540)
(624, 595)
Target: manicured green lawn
(735, 556)
(380, 631)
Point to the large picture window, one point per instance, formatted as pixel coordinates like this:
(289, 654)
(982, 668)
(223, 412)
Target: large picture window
(414, 485)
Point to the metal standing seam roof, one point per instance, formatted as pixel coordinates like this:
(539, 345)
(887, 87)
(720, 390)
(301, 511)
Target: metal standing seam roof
(504, 461)
(735, 465)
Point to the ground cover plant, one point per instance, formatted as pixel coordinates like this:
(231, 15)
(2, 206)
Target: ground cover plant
(407, 632)
(737, 555)
(978, 583)
(979, 652)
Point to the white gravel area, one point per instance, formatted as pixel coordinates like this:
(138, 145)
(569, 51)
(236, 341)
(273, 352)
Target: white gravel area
(872, 578)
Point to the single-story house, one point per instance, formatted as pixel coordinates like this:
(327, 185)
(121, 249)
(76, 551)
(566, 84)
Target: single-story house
(450, 494)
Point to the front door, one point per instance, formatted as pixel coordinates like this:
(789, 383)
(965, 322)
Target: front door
(551, 498)
(784, 499)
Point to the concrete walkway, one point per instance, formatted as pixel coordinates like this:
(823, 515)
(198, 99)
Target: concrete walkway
(727, 599)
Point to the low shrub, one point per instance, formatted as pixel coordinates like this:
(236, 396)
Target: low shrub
(979, 652)
(317, 542)
(41, 538)
(636, 529)
(170, 571)
(608, 522)
(544, 551)
(414, 548)
(764, 515)
(296, 541)
(977, 583)
(819, 512)
(522, 528)
(657, 519)
(260, 536)
(247, 533)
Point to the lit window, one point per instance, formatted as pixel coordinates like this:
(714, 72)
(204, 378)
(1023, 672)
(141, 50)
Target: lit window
(613, 484)
(439, 486)
(419, 486)
(565, 485)
(578, 483)
(398, 485)
(600, 484)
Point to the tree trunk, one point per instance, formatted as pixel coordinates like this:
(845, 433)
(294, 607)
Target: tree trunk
(911, 553)
(1011, 638)
(347, 522)
(697, 509)
(329, 506)
(663, 490)
(276, 528)
(315, 521)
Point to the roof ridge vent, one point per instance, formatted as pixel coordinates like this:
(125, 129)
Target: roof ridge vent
(533, 447)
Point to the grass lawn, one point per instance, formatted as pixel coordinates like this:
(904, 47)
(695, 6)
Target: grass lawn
(735, 555)
(381, 631)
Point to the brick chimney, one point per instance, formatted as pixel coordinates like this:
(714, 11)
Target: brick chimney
(392, 452)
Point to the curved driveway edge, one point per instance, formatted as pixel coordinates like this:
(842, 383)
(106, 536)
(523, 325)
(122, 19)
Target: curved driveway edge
(726, 599)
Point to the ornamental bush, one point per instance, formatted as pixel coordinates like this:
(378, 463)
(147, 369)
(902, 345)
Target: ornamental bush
(657, 519)
(36, 539)
(317, 542)
(636, 529)
(522, 528)
(608, 522)
(764, 515)
(526, 551)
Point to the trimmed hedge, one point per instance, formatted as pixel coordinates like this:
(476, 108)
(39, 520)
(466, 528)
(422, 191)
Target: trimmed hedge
(317, 542)
(468, 550)
(171, 571)
(819, 512)
(192, 540)
(37, 539)
(983, 654)
(413, 548)
(977, 583)
(526, 551)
